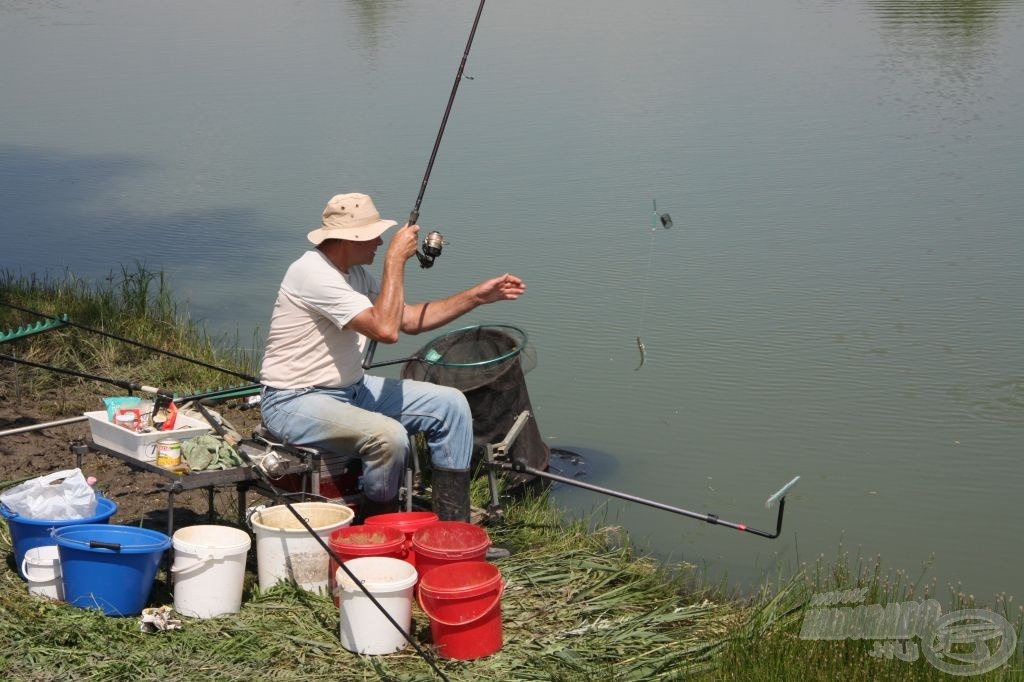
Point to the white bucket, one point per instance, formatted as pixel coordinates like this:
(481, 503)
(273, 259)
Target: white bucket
(209, 570)
(41, 568)
(364, 629)
(285, 550)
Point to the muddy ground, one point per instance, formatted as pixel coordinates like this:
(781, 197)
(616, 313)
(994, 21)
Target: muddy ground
(141, 496)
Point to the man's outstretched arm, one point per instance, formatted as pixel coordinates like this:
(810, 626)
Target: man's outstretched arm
(421, 317)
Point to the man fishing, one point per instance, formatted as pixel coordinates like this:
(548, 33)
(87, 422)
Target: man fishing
(315, 389)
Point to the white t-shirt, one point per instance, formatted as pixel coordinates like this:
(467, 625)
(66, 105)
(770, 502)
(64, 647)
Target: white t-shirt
(307, 344)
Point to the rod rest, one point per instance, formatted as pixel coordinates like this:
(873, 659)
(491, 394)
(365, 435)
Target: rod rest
(30, 329)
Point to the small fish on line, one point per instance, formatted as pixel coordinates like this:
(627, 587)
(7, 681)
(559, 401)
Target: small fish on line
(643, 352)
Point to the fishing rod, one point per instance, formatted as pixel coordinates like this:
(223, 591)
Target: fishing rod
(434, 241)
(139, 344)
(134, 386)
(126, 385)
(129, 386)
(265, 478)
(494, 461)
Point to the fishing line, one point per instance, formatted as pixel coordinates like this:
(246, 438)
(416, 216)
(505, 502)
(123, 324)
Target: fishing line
(647, 285)
(666, 222)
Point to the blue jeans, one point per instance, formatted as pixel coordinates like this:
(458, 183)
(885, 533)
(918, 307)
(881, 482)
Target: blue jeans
(372, 419)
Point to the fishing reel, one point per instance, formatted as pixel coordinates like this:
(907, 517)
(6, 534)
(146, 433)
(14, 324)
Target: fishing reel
(273, 464)
(432, 245)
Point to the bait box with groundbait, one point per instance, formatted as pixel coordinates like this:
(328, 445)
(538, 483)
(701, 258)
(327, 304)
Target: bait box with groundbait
(141, 446)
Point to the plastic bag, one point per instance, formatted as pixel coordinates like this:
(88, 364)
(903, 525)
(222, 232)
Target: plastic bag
(60, 496)
(121, 401)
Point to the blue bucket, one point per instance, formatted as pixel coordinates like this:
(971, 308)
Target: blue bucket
(27, 533)
(109, 567)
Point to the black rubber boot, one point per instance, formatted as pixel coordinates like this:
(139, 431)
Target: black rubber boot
(450, 494)
(451, 502)
(368, 508)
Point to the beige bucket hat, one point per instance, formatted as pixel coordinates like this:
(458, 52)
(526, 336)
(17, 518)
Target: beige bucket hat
(350, 216)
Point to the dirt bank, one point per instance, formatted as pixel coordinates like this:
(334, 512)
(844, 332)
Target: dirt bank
(140, 496)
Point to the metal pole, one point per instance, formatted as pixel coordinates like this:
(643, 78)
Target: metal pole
(713, 519)
(40, 427)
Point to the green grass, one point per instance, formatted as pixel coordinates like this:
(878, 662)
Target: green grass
(137, 305)
(770, 646)
(577, 604)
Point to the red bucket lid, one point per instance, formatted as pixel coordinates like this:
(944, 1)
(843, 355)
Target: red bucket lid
(362, 537)
(407, 522)
(450, 539)
(460, 580)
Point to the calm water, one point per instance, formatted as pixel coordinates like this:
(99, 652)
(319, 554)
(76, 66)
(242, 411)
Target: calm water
(840, 297)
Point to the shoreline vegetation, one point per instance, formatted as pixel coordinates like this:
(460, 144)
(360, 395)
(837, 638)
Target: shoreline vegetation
(580, 601)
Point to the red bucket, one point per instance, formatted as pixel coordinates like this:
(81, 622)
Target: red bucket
(446, 542)
(407, 522)
(350, 542)
(463, 601)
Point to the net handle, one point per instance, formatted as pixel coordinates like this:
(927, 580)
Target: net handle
(512, 353)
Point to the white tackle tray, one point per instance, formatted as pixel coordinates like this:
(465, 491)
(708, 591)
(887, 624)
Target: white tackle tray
(141, 446)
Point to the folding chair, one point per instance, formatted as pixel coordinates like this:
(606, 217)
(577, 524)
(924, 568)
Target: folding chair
(334, 476)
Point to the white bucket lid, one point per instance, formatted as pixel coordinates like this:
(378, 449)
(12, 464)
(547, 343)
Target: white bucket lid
(321, 516)
(211, 541)
(377, 574)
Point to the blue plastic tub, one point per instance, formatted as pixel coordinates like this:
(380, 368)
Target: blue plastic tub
(27, 533)
(109, 567)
